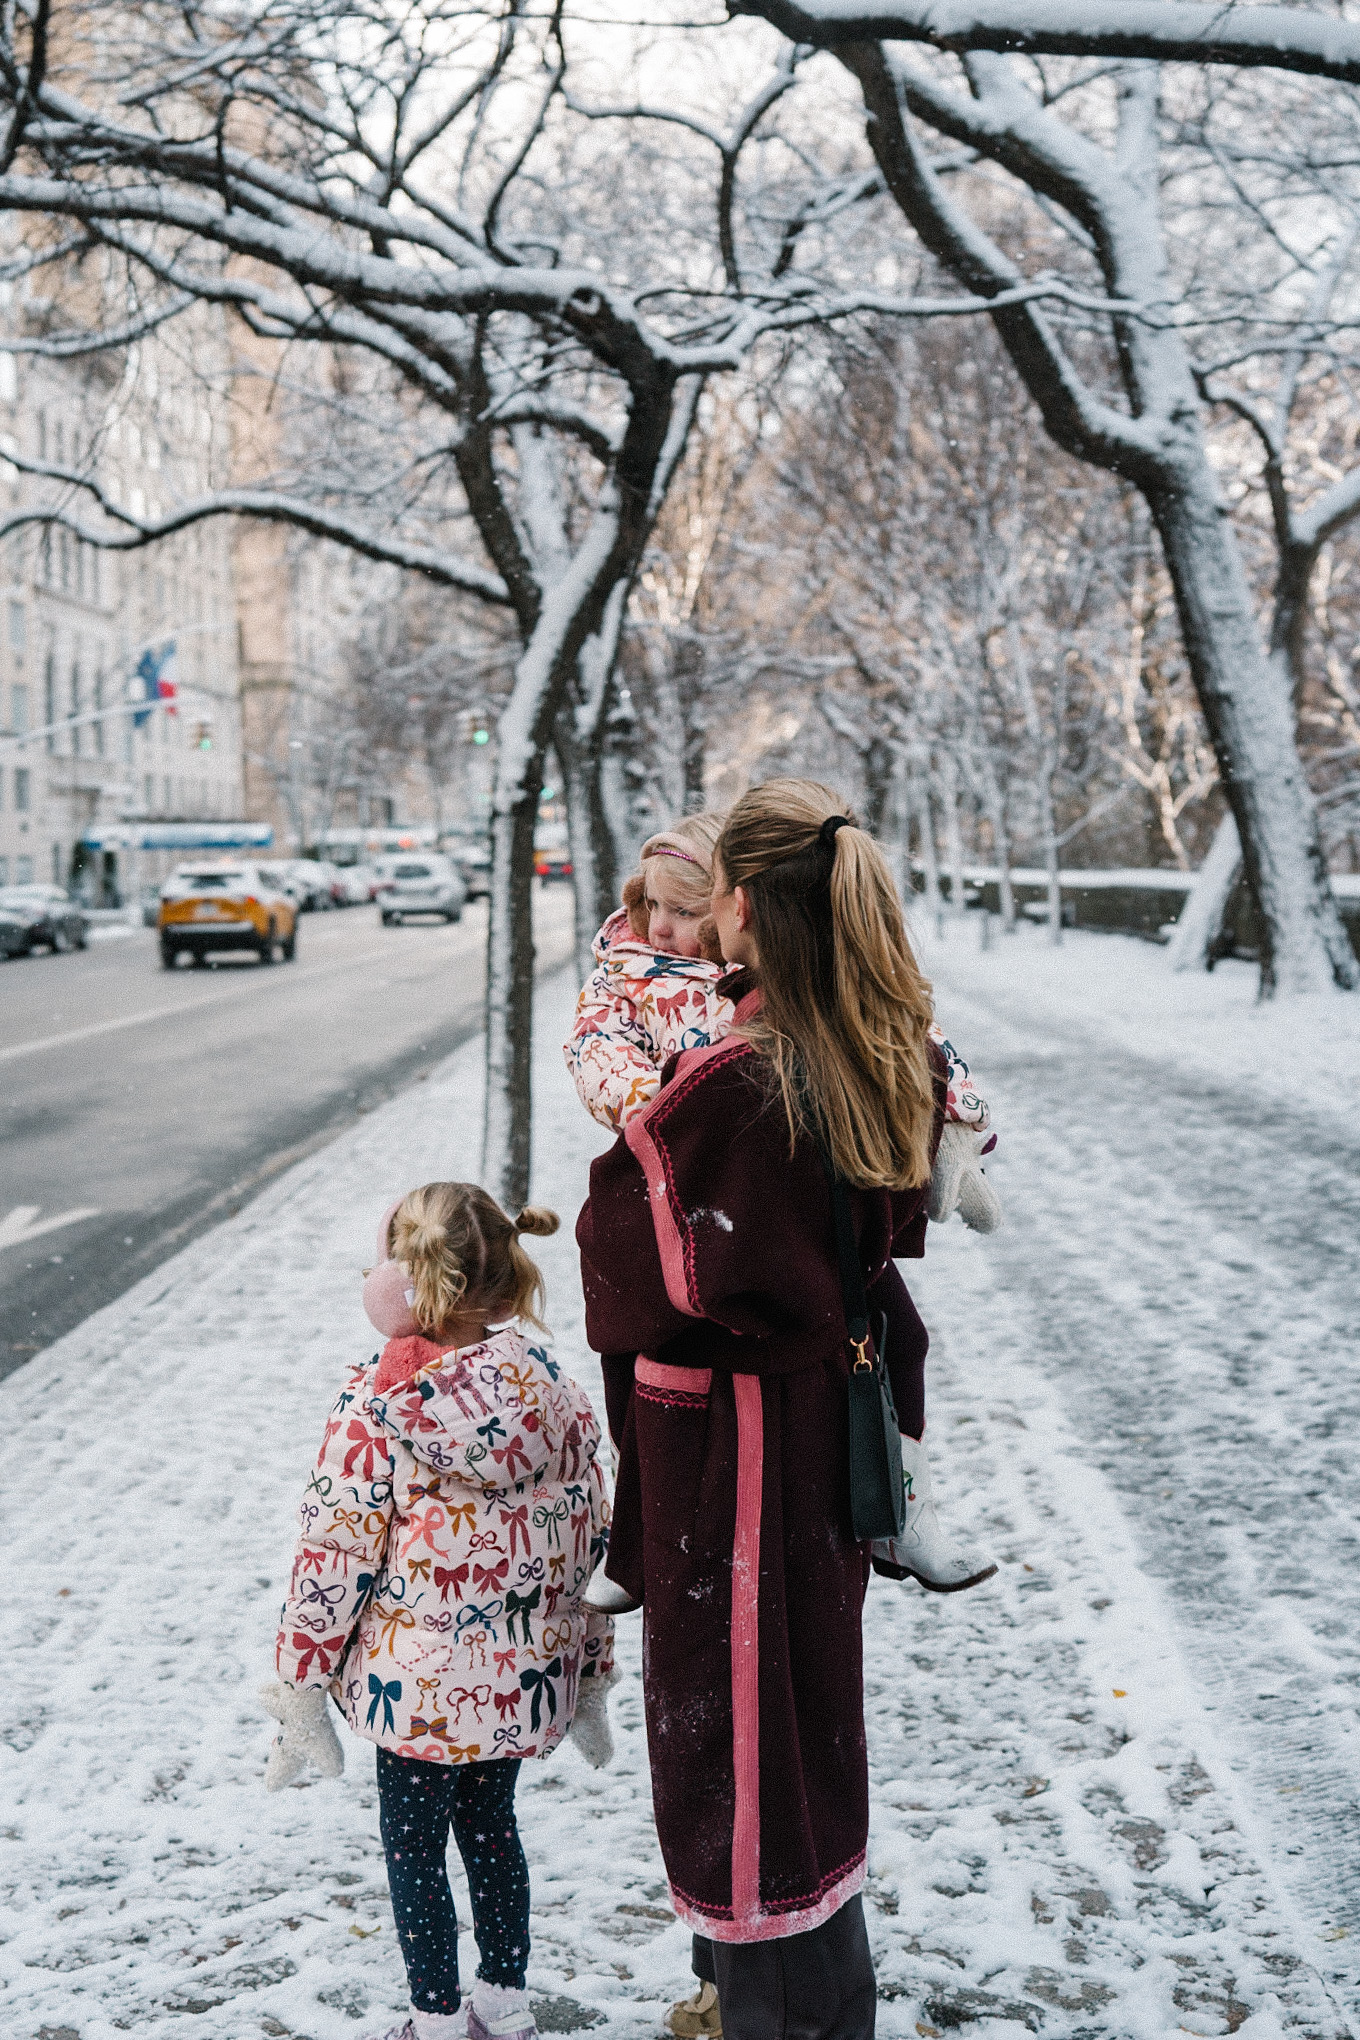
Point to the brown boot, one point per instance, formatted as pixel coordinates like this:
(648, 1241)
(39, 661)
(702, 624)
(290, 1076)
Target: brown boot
(698, 2017)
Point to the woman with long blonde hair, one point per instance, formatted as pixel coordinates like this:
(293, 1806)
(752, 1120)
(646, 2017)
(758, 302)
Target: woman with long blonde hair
(715, 1290)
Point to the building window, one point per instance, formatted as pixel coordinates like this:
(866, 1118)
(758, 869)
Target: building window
(77, 731)
(21, 786)
(50, 698)
(18, 709)
(18, 634)
(23, 871)
(169, 797)
(56, 864)
(149, 790)
(4, 871)
(99, 705)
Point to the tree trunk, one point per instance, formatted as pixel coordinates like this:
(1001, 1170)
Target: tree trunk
(899, 842)
(1049, 829)
(1249, 716)
(994, 806)
(1202, 915)
(878, 769)
(510, 997)
(925, 836)
(953, 832)
(593, 858)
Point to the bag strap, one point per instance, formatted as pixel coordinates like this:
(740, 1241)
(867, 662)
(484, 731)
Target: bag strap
(853, 1298)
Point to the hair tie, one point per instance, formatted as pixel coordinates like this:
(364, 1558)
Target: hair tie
(827, 832)
(666, 851)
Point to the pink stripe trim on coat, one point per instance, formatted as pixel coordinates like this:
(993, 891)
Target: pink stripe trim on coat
(656, 1374)
(670, 1241)
(773, 1926)
(745, 1646)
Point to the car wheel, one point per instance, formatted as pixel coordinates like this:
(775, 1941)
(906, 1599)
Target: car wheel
(61, 942)
(199, 958)
(454, 917)
(82, 941)
(290, 946)
(169, 956)
(267, 947)
(391, 920)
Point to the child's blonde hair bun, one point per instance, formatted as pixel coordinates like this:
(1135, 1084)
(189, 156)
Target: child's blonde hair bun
(463, 1255)
(538, 1220)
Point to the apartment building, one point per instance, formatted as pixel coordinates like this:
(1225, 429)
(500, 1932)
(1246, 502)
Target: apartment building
(119, 675)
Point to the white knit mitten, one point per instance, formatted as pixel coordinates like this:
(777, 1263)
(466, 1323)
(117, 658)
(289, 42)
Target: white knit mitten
(306, 1735)
(590, 1730)
(957, 1182)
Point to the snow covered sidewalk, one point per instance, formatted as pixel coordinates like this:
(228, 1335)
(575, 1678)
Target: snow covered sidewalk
(1059, 1841)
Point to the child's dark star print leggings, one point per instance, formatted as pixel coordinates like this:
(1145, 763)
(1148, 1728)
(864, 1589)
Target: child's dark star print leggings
(418, 1803)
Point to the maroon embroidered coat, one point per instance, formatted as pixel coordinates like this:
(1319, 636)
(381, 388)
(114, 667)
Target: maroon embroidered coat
(713, 1294)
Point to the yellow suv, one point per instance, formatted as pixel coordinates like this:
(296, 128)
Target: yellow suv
(209, 907)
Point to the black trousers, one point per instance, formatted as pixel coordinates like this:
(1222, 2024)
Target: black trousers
(418, 1802)
(813, 1986)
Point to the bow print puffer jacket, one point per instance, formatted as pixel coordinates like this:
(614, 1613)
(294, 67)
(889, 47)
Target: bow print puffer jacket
(638, 1008)
(456, 1511)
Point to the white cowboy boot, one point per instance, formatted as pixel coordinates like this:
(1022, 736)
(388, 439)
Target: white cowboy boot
(959, 1183)
(921, 1551)
(606, 1597)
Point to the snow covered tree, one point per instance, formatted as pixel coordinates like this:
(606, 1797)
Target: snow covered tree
(1072, 168)
(435, 193)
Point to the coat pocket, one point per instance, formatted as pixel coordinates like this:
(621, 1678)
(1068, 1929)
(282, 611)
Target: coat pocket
(671, 1408)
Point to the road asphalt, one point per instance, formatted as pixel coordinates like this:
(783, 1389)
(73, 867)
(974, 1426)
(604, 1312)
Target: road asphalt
(138, 1107)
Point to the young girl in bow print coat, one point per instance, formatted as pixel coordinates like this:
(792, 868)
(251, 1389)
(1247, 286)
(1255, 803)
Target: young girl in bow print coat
(456, 1511)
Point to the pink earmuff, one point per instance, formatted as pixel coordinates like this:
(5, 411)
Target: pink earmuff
(388, 1295)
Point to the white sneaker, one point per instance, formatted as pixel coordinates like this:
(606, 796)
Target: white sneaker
(418, 2025)
(921, 1551)
(498, 2013)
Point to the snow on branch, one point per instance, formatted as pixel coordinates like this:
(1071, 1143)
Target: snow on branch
(1173, 31)
(130, 532)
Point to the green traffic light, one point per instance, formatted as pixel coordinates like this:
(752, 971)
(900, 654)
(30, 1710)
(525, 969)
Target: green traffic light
(481, 736)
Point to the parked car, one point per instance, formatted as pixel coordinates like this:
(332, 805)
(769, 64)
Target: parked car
(360, 882)
(424, 882)
(473, 858)
(303, 879)
(50, 919)
(333, 879)
(552, 857)
(207, 908)
(13, 933)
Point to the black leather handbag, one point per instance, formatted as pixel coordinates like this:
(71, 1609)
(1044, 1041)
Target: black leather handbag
(878, 1502)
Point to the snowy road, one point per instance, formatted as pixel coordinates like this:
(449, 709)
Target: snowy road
(1088, 1777)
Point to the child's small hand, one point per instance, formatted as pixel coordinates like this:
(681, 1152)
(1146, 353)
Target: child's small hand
(957, 1182)
(306, 1736)
(590, 1730)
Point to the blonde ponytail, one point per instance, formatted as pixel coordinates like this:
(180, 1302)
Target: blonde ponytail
(845, 1011)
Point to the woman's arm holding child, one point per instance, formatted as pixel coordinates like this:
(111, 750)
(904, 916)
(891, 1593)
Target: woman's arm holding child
(609, 1054)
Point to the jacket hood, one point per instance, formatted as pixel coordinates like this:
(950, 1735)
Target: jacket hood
(493, 1414)
(618, 949)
